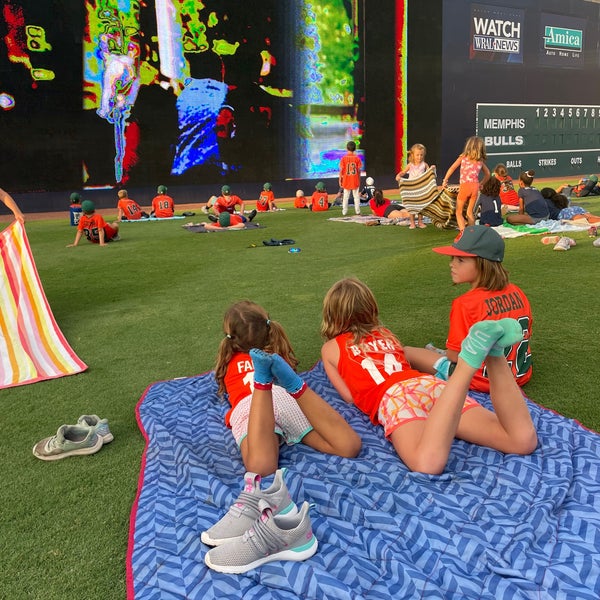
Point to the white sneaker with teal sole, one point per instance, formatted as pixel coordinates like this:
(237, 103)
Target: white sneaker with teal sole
(244, 511)
(99, 425)
(70, 440)
(270, 538)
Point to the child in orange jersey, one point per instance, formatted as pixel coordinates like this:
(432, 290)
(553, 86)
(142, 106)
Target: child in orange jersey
(163, 206)
(422, 415)
(350, 167)
(300, 200)
(269, 400)
(94, 227)
(129, 210)
(266, 200)
(471, 163)
(320, 199)
(508, 194)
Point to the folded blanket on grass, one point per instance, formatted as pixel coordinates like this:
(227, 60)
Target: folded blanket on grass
(199, 228)
(492, 526)
(549, 226)
(152, 219)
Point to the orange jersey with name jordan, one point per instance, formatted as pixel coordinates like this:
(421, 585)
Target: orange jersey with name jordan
(480, 304)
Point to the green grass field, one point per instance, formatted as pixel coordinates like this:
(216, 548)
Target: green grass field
(149, 308)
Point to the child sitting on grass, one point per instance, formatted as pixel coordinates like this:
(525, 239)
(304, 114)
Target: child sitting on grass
(94, 227)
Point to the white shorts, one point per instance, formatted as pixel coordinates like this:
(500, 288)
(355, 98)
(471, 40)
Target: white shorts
(290, 422)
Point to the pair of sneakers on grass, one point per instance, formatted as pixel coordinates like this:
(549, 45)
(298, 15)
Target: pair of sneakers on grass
(86, 437)
(265, 525)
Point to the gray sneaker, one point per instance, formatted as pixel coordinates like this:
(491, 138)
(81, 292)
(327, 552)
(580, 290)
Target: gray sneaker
(244, 511)
(272, 537)
(70, 440)
(99, 425)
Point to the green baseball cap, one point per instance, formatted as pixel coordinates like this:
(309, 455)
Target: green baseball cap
(267, 187)
(226, 190)
(224, 219)
(320, 187)
(87, 206)
(476, 240)
(75, 197)
(593, 178)
(161, 189)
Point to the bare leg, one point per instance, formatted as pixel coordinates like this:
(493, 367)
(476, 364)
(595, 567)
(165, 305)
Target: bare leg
(460, 207)
(331, 433)
(260, 448)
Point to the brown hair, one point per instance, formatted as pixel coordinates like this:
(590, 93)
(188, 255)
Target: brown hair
(491, 187)
(378, 197)
(247, 325)
(491, 275)
(500, 169)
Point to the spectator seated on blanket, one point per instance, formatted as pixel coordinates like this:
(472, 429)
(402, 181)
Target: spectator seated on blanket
(366, 194)
(489, 203)
(319, 200)
(93, 226)
(533, 207)
(228, 202)
(266, 200)
(300, 200)
(230, 221)
(10, 203)
(383, 207)
(129, 210)
(565, 211)
(421, 414)
(269, 401)
(586, 186)
(508, 195)
(163, 206)
(477, 257)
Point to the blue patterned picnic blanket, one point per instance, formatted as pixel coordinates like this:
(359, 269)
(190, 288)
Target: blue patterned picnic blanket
(491, 526)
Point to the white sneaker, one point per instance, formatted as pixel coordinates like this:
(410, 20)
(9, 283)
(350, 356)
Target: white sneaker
(563, 244)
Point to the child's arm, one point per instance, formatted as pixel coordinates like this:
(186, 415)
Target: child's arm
(10, 203)
(102, 236)
(330, 353)
(401, 173)
(77, 238)
(451, 170)
(486, 173)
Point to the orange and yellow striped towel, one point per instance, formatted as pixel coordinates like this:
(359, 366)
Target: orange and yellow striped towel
(32, 347)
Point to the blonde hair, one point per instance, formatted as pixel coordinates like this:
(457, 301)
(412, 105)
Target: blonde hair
(475, 148)
(412, 150)
(247, 325)
(350, 307)
(491, 275)
(122, 194)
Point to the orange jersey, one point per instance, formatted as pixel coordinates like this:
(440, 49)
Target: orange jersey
(350, 166)
(163, 206)
(508, 195)
(233, 220)
(300, 202)
(370, 368)
(90, 225)
(319, 201)
(479, 304)
(239, 380)
(131, 209)
(227, 203)
(264, 201)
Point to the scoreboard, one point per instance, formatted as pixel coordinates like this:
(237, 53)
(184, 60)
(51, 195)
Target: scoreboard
(555, 140)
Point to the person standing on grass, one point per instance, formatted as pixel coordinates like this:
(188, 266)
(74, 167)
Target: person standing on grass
(471, 163)
(269, 401)
(476, 260)
(421, 414)
(10, 203)
(350, 167)
(94, 227)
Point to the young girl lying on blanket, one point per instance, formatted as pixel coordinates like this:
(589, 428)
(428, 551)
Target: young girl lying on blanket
(269, 401)
(421, 414)
(476, 260)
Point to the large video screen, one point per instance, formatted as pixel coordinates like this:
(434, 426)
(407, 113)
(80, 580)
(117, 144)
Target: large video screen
(98, 93)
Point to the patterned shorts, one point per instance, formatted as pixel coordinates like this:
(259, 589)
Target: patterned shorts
(412, 400)
(290, 422)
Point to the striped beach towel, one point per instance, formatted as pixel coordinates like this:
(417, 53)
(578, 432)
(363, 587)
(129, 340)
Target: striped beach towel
(416, 194)
(32, 347)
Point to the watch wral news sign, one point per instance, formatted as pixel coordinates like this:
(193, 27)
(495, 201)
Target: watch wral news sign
(496, 34)
(552, 139)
